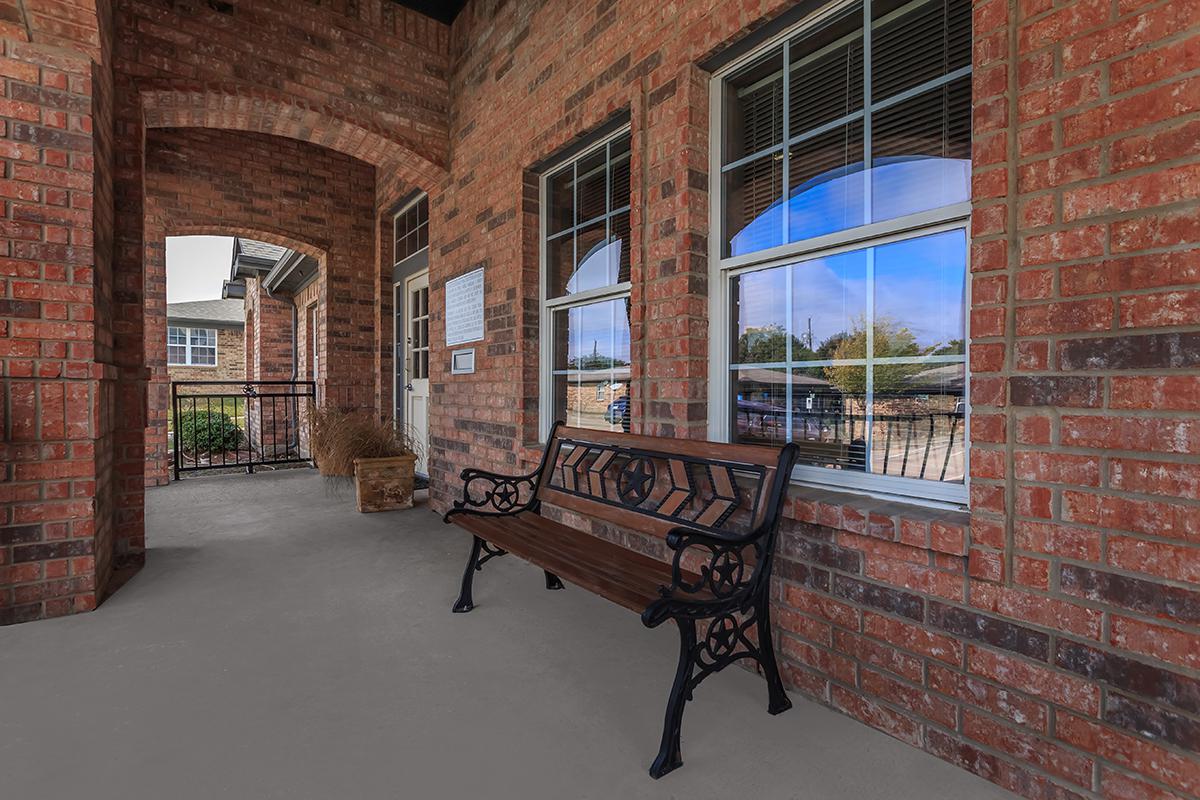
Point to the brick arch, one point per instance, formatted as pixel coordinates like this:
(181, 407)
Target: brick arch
(241, 108)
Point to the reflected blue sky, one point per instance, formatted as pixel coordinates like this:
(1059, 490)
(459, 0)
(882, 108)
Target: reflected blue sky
(920, 284)
(600, 329)
(835, 200)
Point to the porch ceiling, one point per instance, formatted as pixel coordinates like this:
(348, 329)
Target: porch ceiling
(441, 11)
(278, 644)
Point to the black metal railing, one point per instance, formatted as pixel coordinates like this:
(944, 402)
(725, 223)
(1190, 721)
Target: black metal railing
(241, 424)
(919, 445)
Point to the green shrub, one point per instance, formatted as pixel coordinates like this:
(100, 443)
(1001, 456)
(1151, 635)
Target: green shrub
(208, 432)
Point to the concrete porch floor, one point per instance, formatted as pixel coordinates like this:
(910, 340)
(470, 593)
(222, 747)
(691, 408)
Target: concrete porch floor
(280, 645)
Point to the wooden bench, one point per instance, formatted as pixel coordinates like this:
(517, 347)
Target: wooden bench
(718, 507)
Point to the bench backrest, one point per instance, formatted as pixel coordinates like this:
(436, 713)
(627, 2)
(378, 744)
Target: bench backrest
(655, 484)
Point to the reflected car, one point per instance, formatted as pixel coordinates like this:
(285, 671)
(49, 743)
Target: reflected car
(618, 411)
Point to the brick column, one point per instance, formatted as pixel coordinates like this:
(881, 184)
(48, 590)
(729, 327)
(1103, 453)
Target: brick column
(56, 394)
(669, 220)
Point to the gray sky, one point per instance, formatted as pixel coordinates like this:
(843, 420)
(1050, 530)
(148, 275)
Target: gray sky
(196, 266)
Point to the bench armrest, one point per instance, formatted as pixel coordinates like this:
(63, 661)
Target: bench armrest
(498, 495)
(727, 575)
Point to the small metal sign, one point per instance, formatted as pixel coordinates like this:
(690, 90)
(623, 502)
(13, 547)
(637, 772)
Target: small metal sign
(462, 362)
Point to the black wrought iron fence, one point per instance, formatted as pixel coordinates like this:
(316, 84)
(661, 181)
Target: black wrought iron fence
(246, 424)
(918, 445)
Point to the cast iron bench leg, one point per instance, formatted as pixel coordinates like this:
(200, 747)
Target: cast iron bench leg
(778, 701)
(669, 755)
(552, 581)
(465, 602)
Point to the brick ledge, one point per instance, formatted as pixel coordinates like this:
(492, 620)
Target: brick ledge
(939, 529)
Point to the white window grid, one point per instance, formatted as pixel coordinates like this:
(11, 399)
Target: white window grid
(550, 305)
(722, 269)
(195, 345)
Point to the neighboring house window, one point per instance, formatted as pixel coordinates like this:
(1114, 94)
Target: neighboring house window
(844, 163)
(585, 288)
(192, 347)
(412, 229)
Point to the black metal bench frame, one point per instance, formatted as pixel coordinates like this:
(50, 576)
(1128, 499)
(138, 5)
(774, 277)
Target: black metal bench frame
(715, 608)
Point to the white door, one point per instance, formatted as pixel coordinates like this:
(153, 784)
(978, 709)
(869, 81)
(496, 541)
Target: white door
(416, 365)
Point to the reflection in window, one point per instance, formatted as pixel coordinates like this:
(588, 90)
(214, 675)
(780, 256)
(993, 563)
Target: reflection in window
(848, 163)
(587, 221)
(867, 371)
(591, 366)
(858, 125)
(586, 250)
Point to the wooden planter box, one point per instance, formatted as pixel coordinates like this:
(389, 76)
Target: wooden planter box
(384, 484)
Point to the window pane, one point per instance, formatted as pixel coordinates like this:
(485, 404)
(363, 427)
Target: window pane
(754, 206)
(560, 200)
(204, 356)
(829, 298)
(753, 108)
(850, 406)
(593, 186)
(920, 296)
(760, 317)
(829, 420)
(826, 183)
(599, 262)
(921, 152)
(919, 420)
(760, 405)
(826, 82)
(917, 45)
(176, 354)
(619, 173)
(619, 251)
(591, 365)
(560, 263)
(203, 336)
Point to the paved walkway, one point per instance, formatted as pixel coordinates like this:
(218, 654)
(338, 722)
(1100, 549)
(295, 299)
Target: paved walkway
(280, 645)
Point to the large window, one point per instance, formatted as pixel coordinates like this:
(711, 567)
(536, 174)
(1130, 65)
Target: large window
(585, 289)
(841, 256)
(191, 347)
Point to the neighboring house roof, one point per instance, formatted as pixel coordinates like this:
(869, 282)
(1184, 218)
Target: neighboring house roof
(281, 270)
(217, 313)
(263, 250)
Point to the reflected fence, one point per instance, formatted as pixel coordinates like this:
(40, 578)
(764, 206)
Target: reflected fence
(239, 424)
(927, 445)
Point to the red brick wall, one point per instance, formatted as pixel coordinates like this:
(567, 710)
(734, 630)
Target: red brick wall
(56, 383)
(1047, 641)
(291, 193)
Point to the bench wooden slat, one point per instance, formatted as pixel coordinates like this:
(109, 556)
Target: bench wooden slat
(625, 577)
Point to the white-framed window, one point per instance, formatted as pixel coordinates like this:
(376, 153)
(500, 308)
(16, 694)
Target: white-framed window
(841, 156)
(191, 347)
(585, 361)
(411, 228)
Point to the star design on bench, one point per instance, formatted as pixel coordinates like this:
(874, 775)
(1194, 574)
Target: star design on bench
(637, 479)
(728, 571)
(505, 495)
(722, 637)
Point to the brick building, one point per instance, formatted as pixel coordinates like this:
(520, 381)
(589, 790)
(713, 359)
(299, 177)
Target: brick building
(817, 221)
(206, 340)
